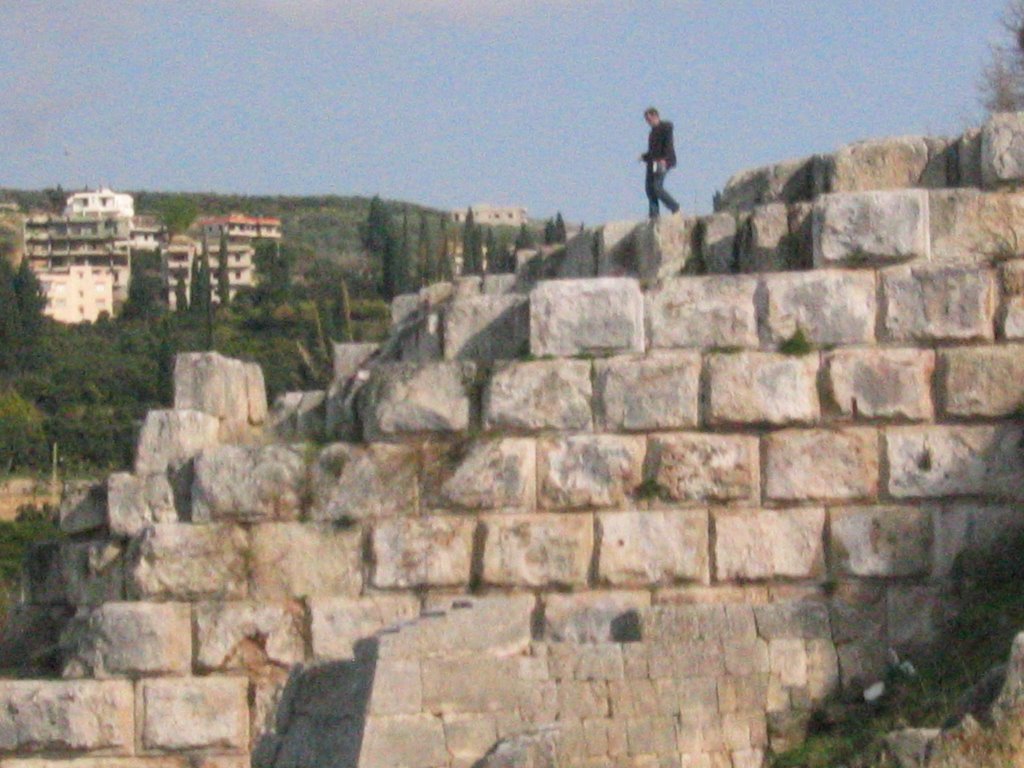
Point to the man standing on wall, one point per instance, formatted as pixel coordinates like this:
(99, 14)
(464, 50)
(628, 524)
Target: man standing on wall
(659, 157)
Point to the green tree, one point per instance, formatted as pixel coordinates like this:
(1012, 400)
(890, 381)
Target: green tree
(181, 296)
(22, 440)
(10, 319)
(472, 246)
(223, 272)
(177, 214)
(426, 270)
(550, 232)
(524, 239)
(492, 251)
(560, 233)
(445, 270)
(145, 291)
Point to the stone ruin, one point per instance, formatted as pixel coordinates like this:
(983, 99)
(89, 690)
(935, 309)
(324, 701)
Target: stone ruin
(651, 501)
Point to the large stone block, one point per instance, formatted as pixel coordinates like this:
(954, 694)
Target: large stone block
(821, 465)
(871, 228)
(294, 560)
(135, 502)
(897, 162)
(1002, 149)
(969, 159)
(579, 259)
(83, 506)
(880, 542)
(585, 317)
(615, 242)
(405, 398)
(769, 544)
(594, 617)
(248, 484)
(1011, 314)
(403, 741)
(665, 247)
(491, 327)
(642, 548)
(880, 383)
(933, 462)
(355, 482)
(486, 474)
(470, 685)
(937, 303)
(705, 468)
(762, 388)
(194, 713)
(970, 537)
(703, 312)
(829, 307)
(764, 242)
(93, 571)
(298, 416)
(80, 716)
(348, 357)
(124, 762)
(248, 635)
(544, 394)
(718, 243)
(973, 227)
(538, 550)
(174, 561)
(660, 391)
(588, 470)
(171, 439)
(982, 381)
(338, 623)
(129, 640)
(230, 390)
(423, 552)
(787, 182)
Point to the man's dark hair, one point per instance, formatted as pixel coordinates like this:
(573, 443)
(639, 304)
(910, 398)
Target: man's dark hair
(651, 111)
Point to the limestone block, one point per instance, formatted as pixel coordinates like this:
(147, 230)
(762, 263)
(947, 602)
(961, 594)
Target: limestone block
(891, 163)
(801, 235)
(969, 536)
(588, 470)
(397, 688)
(915, 615)
(793, 619)
(769, 544)
(880, 541)
(969, 226)
(1002, 149)
(348, 357)
(937, 303)
(704, 467)
(830, 307)
(417, 339)
(643, 548)
(134, 502)
(123, 762)
(538, 550)
(880, 383)
(421, 552)
(544, 394)
(469, 685)
(404, 307)
(175, 561)
(871, 228)
(969, 159)
(293, 560)
(786, 182)
(338, 623)
(353, 482)
(762, 388)
(580, 256)
(765, 244)
(248, 484)
(641, 393)
(404, 398)
(703, 312)
(93, 571)
(1011, 320)
(821, 465)
(487, 474)
(469, 736)
(297, 416)
(586, 317)
(499, 284)
(170, 439)
(230, 390)
(248, 635)
(194, 713)
(403, 741)
(488, 327)
(718, 243)
(594, 617)
(79, 716)
(129, 639)
(665, 247)
(862, 664)
(83, 506)
(616, 247)
(982, 381)
(933, 462)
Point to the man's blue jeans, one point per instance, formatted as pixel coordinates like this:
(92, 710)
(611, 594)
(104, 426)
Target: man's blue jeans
(655, 185)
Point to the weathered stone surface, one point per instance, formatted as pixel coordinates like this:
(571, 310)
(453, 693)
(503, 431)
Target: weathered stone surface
(338, 623)
(915, 614)
(718, 243)
(248, 483)
(1011, 320)
(801, 235)
(123, 762)
(641, 393)
(786, 182)
(404, 398)
(703, 312)
(487, 474)
(937, 303)
(762, 388)
(891, 163)
(538, 550)
(829, 307)
(174, 561)
(594, 617)
(403, 741)
(403, 307)
(933, 462)
(973, 227)
(421, 552)
(880, 383)
(769, 544)
(969, 159)
(588, 470)
(356, 482)
(194, 713)
(247, 635)
(579, 259)
(230, 390)
(875, 228)
(793, 619)
(704, 468)
(583, 317)
(970, 536)
(83, 506)
(881, 541)
(764, 242)
(170, 439)
(135, 502)
(79, 716)
(297, 416)
(664, 247)
(348, 357)
(293, 560)
(648, 547)
(489, 327)
(616, 248)
(1002, 149)
(545, 394)
(129, 639)
(982, 381)
(821, 465)
(74, 572)
(469, 685)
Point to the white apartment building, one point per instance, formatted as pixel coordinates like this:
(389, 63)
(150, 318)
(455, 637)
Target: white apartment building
(78, 294)
(179, 258)
(494, 215)
(100, 203)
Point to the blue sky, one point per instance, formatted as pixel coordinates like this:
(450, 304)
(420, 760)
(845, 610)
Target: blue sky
(452, 102)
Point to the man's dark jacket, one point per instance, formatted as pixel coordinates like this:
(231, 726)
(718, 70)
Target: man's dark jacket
(660, 145)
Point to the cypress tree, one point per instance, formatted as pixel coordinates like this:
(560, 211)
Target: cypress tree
(10, 320)
(444, 255)
(181, 295)
(493, 258)
(550, 233)
(223, 274)
(380, 242)
(560, 234)
(425, 270)
(524, 239)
